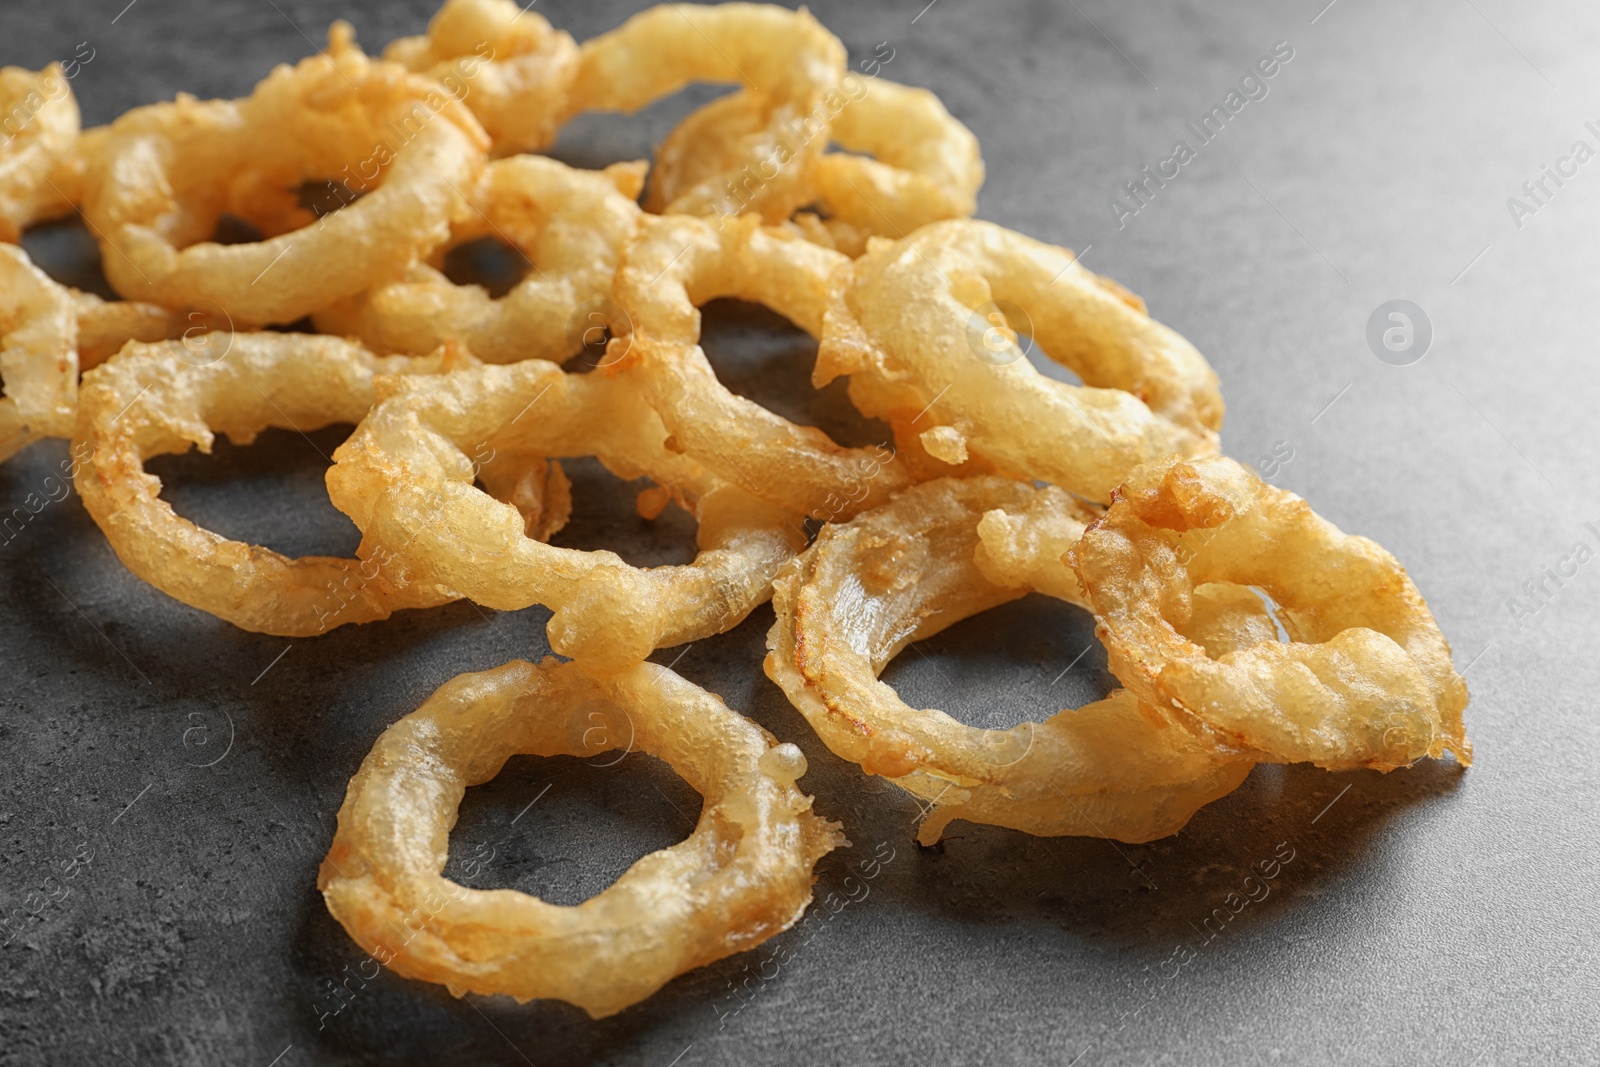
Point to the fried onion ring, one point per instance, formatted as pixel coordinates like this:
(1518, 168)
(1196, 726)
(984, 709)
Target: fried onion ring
(570, 226)
(406, 479)
(1366, 679)
(48, 333)
(41, 130)
(38, 354)
(678, 263)
(743, 875)
(923, 327)
(939, 553)
(927, 166)
(506, 63)
(104, 326)
(787, 58)
(156, 399)
(164, 174)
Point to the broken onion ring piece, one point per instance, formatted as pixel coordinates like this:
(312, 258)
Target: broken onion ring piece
(743, 875)
(406, 479)
(924, 328)
(1365, 679)
(902, 572)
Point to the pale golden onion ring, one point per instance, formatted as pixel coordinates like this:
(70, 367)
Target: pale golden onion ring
(926, 164)
(787, 57)
(162, 176)
(506, 63)
(104, 326)
(897, 574)
(742, 876)
(923, 327)
(1224, 617)
(570, 225)
(537, 487)
(48, 334)
(406, 479)
(41, 135)
(156, 399)
(1366, 679)
(38, 354)
(678, 263)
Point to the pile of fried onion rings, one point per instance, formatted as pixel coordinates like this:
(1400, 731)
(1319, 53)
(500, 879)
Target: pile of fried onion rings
(1242, 627)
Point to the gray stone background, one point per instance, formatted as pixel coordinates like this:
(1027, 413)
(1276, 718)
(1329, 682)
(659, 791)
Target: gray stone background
(1428, 917)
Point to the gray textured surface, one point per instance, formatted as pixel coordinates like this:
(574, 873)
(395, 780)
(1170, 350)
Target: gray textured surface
(1428, 917)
